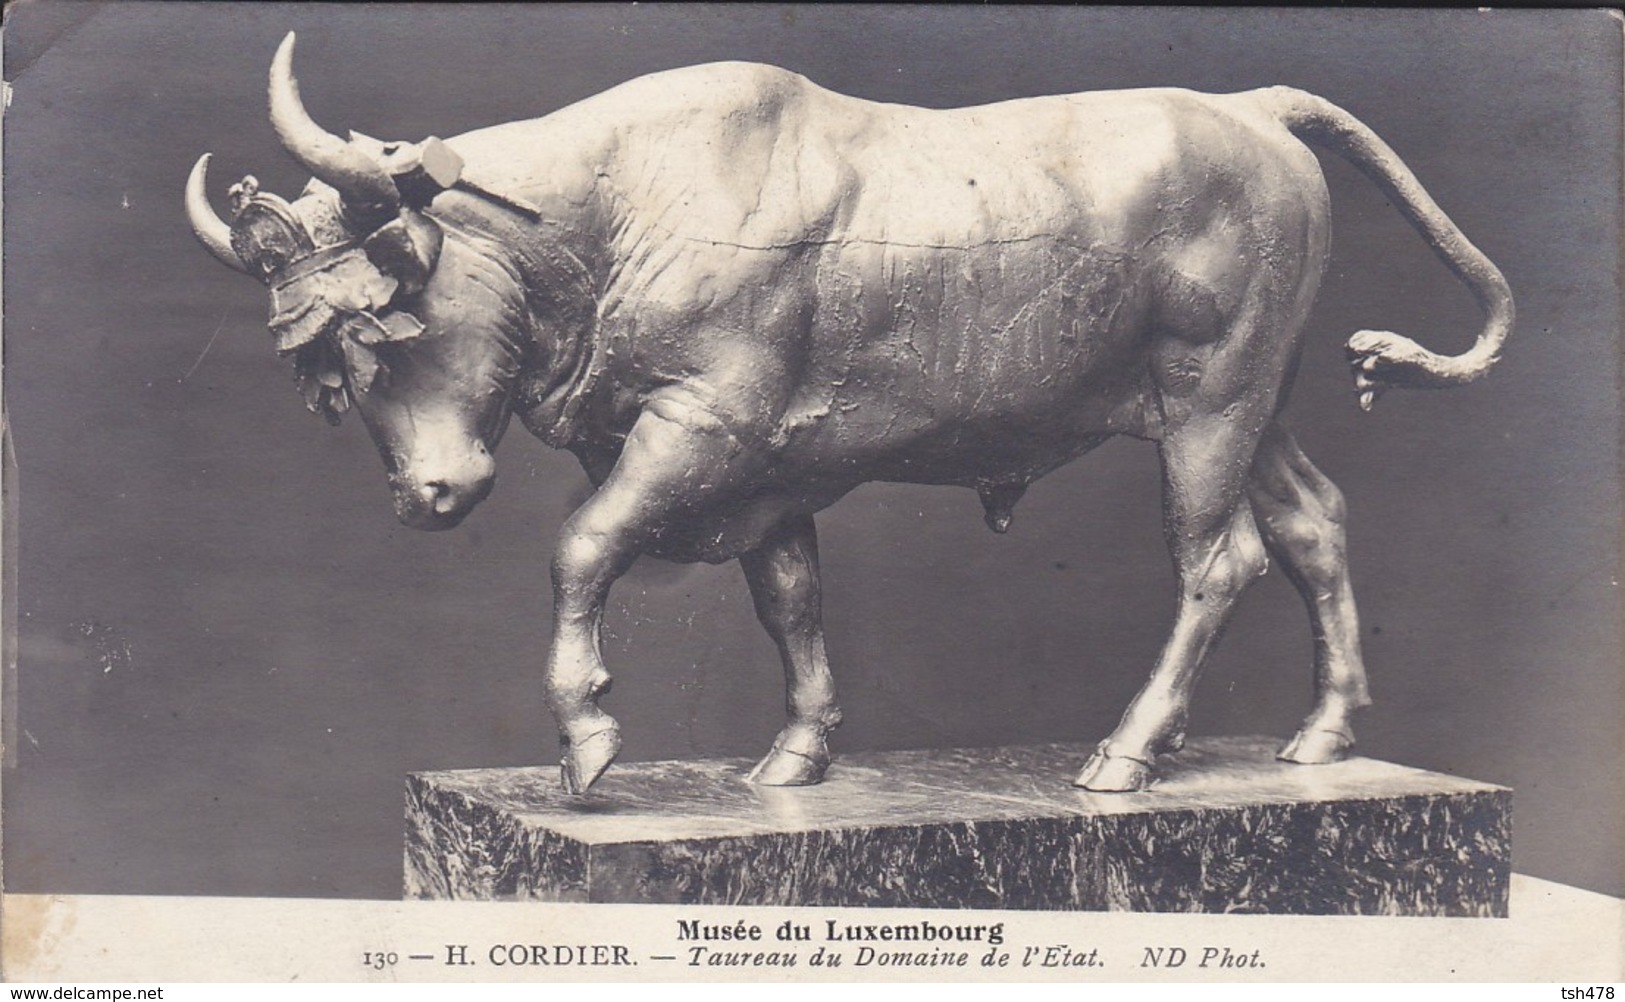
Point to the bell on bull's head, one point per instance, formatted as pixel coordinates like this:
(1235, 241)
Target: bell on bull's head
(342, 257)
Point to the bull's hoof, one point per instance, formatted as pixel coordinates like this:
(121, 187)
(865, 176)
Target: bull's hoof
(799, 758)
(1317, 747)
(586, 759)
(1105, 773)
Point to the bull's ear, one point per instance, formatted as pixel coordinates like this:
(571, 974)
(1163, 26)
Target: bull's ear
(406, 248)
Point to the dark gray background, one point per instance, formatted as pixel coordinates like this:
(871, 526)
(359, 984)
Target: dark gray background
(231, 653)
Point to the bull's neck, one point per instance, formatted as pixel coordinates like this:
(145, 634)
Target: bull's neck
(550, 241)
(553, 243)
(535, 186)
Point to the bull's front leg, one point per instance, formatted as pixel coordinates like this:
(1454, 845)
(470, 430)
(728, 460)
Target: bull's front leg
(674, 461)
(783, 578)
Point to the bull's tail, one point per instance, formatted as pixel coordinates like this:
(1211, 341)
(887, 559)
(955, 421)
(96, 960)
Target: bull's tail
(1380, 358)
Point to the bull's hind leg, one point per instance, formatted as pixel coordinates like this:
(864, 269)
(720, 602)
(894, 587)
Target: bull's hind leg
(1217, 552)
(783, 578)
(1301, 514)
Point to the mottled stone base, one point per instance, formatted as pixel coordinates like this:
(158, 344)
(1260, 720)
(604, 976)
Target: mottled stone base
(1229, 829)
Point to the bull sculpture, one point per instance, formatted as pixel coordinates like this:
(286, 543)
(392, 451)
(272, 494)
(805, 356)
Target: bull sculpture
(735, 296)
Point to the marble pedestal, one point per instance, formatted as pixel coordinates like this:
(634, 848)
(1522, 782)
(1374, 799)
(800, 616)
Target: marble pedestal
(1229, 829)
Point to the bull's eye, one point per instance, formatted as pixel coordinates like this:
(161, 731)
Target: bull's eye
(390, 355)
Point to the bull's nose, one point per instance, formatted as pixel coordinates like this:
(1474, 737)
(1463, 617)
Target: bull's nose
(446, 498)
(436, 495)
(436, 492)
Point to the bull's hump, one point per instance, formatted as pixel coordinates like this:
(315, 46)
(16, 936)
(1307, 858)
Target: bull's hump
(567, 151)
(754, 157)
(783, 163)
(719, 85)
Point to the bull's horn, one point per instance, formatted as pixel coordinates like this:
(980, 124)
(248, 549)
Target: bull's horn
(210, 228)
(359, 179)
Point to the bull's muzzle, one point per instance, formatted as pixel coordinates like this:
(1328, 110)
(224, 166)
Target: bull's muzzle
(440, 496)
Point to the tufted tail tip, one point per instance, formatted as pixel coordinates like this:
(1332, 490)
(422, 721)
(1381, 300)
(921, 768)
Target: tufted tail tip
(1381, 360)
